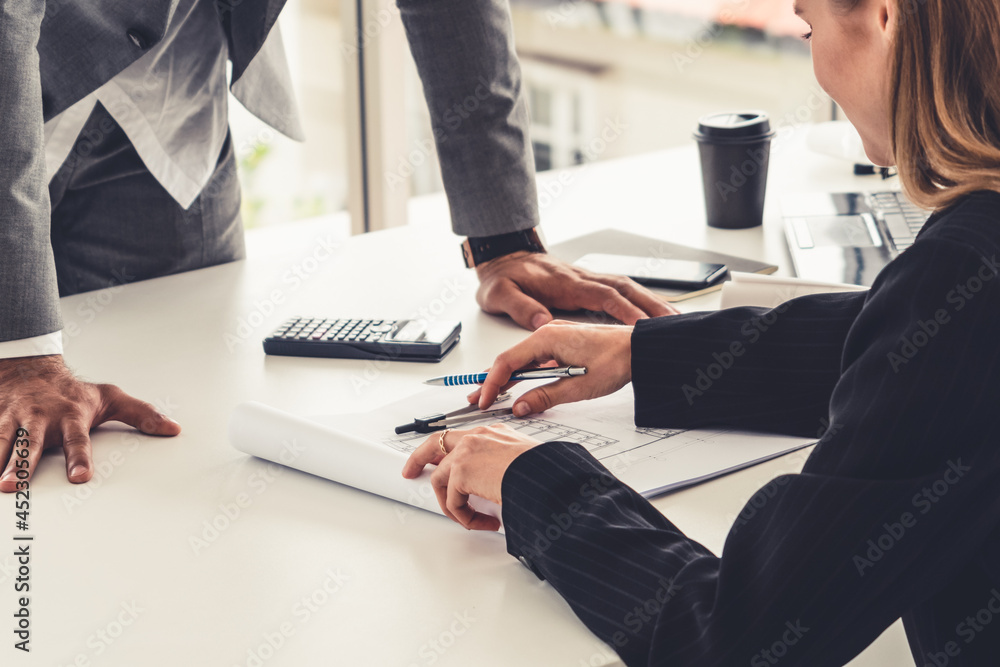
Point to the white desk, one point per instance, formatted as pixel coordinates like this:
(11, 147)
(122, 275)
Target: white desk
(330, 575)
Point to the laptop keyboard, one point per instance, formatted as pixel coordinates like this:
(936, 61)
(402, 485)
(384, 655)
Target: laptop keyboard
(902, 219)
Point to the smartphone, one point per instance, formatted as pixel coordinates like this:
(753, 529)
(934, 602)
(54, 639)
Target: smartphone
(656, 272)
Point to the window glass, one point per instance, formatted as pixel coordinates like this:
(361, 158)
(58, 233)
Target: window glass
(643, 72)
(284, 180)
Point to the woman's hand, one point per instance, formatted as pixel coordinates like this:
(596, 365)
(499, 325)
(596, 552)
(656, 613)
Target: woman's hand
(474, 465)
(605, 350)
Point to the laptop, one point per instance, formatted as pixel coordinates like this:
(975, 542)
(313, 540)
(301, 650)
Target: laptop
(848, 237)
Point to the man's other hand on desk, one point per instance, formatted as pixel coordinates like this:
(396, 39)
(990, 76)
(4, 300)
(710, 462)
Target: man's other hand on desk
(525, 285)
(40, 396)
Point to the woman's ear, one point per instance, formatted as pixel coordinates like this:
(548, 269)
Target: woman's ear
(887, 14)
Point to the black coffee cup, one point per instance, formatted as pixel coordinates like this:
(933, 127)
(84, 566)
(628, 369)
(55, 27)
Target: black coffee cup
(735, 148)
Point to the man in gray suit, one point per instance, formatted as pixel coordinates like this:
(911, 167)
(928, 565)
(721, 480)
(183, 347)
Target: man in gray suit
(118, 166)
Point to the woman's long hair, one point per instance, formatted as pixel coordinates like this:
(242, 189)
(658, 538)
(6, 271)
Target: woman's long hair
(945, 98)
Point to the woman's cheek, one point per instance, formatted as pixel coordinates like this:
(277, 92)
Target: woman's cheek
(824, 68)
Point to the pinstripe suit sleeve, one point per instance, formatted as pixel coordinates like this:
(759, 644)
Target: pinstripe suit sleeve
(896, 502)
(720, 367)
(29, 300)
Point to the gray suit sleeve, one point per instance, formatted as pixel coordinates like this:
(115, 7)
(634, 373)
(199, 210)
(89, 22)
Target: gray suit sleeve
(464, 50)
(29, 299)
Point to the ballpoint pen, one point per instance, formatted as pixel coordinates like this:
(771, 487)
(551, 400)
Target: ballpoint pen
(530, 374)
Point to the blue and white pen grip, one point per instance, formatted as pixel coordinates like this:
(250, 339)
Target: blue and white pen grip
(530, 374)
(468, 378)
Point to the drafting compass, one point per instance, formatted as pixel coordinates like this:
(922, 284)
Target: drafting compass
(466, 415)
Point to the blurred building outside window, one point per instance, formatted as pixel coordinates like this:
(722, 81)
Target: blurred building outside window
(647, 69)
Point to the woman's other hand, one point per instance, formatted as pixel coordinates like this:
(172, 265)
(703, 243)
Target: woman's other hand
(475, 464)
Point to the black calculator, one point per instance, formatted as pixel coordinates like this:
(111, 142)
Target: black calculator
(394, 340)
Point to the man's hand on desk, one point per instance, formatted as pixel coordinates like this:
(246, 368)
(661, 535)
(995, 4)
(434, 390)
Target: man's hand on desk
(41, 396)
(525, 285)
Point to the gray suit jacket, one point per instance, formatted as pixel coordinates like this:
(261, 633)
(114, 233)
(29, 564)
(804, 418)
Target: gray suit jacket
(464, 50)
(56, 52)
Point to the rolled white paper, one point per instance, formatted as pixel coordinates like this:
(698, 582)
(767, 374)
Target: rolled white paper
(267, 433)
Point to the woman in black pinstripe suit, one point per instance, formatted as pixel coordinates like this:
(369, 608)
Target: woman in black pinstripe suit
(897, 511)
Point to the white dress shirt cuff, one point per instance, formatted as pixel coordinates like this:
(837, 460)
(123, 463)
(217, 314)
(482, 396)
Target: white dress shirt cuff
(50, 343)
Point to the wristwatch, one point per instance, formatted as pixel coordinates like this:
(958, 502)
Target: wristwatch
(479, 249)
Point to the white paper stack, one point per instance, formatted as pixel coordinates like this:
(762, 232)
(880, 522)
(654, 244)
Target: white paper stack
(754, 289)
(362, 450)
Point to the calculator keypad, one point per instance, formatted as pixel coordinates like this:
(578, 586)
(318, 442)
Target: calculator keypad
(348, 331)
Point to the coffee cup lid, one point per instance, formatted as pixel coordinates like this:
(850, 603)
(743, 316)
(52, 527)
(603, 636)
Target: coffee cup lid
(734, 126)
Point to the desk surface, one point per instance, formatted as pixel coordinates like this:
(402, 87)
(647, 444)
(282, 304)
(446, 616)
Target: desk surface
(185, 551)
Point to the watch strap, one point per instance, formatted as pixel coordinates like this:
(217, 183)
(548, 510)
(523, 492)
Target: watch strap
(479, 249)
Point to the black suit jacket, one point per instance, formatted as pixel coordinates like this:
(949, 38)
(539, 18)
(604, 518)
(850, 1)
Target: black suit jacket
(895, 513)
